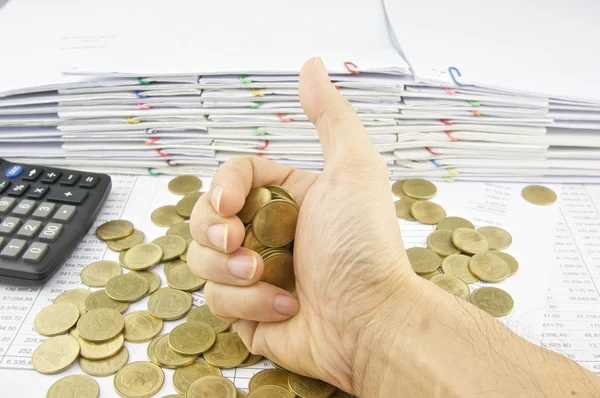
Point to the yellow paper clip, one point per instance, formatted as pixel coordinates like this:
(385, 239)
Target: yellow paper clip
(453, 172)
(257, 93)
(132, 120)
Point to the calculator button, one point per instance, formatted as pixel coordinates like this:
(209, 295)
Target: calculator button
(13, 171)
(3, 185)
(69, 179)
(18, 189)
(51, 176)
(51, 232)
(29, 229)
(64, 213)
(13, 248)
(9, 225)
(37, 192)
(32, 173)
(89, 181)
(44, 210)
(6, 203)
(24, 207)
(1, 241)
(35, 252)
(67, 195)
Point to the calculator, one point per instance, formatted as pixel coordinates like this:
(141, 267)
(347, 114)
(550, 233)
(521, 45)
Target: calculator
(44, 213)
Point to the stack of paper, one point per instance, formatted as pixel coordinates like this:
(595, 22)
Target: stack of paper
(179, 87)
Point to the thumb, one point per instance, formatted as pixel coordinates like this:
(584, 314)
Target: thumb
(341, 133)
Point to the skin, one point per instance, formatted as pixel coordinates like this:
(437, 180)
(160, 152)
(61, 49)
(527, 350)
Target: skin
(362, 319)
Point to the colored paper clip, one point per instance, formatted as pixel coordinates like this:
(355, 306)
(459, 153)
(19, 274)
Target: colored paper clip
(257, 105)
(152, 141)
(140, 95)
(257, 93)
(453, 172)
(161, 153)
(352, 68)
(143, 106)
(132, 120)
(150, 131)
(260, 148)
(436, 163)
(446, 122)
(284, 119)
(258, 132)
(452, 70)
(449, 91)
(453, 138)
(142, 81)
(448, 179)
(336, 86)
(151, 173)
(244, 79)
(170, 163)
(473, 103)
(430, 151)
(476, 113)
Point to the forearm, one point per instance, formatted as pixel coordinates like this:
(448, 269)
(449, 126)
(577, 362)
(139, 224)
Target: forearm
(447, 347)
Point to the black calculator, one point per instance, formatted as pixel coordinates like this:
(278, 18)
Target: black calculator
(44, 213)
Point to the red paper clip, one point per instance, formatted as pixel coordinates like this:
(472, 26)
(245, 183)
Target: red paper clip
(170, 164)
(260, 148)
(152, 141)
(284, 119)
(476, 113)
(144, 106)
(453, 138)
(161, 153)
(446, 122)
(449, 91)
(430, 151)
(354, 70)
(336, 86)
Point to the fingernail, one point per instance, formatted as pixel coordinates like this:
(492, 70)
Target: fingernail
(286, 305)
(217, 235)
(242, 266)
(320, 67)
(215, 197)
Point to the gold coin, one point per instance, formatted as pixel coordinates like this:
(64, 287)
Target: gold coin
(79, 386)
(172, 246)
(274, 223)
(241, 394)
(252, 360)
(430, 275)
(181, 229)
(277, 366)
(423, 260)
(105, 367)
(427, 212)
(183, 185)
(56, 319)
(419, 189)
(169, 304)
(74, 296)
(139, 380)
(539, 195)
(204, 314)
(100, 325)
(97, 274)
(269, 377)
(171, 265)
(99, 299)
(470, 241)
(161, 354)
(397, 189)
(403, 209)
(255, 199)
(141, 326)
(211, 386)
(180, 277)
(186, 205)
(115, 229)
(440, 241)
(513, 265)
(95, 351)
(452, 285)
(191, 338)
(458, 266)
(492, 300)
(184, 377)
(250, 241)
(454, 223)
(307, 387)
(142, 256)
(228, 351)
(134, 239)
(271, 392)
(166, 216)
(279, 192)
(498, 239)
(55, 354)
(489, 267)
(128, 287)
(279, 270)
(152, 278)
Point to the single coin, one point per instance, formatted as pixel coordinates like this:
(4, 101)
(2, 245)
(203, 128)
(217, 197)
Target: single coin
(212, 386)
(397, 189)
(539, 195)
(161, 354)
(141, 327)
(99, 299)
(454, 223)
(172, 246)
(279, 192)
(430, 275)
(78, 386)
(255, 199)
(274, 223)
(97, 274)
(191, 338)
(95, 351)
(440, 241)
(252, 360)
(271, 392)
(134, 239)
(56, 319)
(513, 264)
(498, 239)
(470, 241)
(423, 260)
(115, 229)
(100, 325)
(279, 270)
(183, 185)
(228, 351)
(180, 277)
(277, 366)
(139, 380)
(403, 209)
(184, 377)
(204, 314)
(142, 256)
(171, 265)
(105, 367)
(307, 387)
(427, 212)
(492, 300)
(128, 287)
(181, 229)
(74, 296)
(241, 394)
(183, 257)
(269, 377)
(152, 278)
(55, 354)
(166, 216)
(458, 266)
(185, 206)
(489, 267)
(250, 241)
(419, 189)
(451, 284)
(169, 304)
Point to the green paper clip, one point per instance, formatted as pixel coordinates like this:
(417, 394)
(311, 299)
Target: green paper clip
(473, 103)
(151, 173)
(258, 132)
(244, 79)
(142, 81)
(257, 105)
